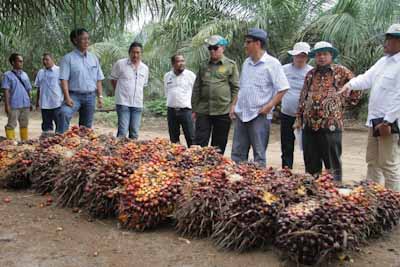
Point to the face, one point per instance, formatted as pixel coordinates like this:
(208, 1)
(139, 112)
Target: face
(300, 60)
(48, 62)
(135, 54)
(83, 41)
(18, 63)
(391, 45)
(216, 52)
(323, 58)
(179, 64)
(250, 46)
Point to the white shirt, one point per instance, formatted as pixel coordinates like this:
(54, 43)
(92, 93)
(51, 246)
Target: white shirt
(259, 83)
(130, 82)
(178, 89)
(48, 81)
(384, 80)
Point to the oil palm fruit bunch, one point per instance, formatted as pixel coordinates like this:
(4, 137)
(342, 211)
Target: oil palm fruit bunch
(200, 156)
(149, 196)
(200, 205)
(247, 220)
(99, 199)
(325, 186)
(76, 172)
(17, 175)
(47, 166)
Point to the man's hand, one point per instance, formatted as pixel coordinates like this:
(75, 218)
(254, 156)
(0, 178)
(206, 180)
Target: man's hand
(194, 116)
(297, 124)
(7, 109)
(346, 89)
(232, 114)
(266, 109)
(69, 102)
(384, 129)
(99, 102)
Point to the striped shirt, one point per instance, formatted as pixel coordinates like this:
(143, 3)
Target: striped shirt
(259, 83)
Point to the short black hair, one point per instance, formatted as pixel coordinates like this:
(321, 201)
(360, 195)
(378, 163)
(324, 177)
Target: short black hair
(262, 42)
(77, 32)
(13, 57)
(47, 54)
(173, 58)
(135, 44)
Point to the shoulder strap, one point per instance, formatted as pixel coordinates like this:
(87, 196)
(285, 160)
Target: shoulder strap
(20, 80)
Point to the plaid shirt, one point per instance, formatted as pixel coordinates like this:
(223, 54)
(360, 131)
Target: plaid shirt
(320, 107)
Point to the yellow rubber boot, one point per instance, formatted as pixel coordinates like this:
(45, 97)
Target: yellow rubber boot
(10, 134)
(23, 132)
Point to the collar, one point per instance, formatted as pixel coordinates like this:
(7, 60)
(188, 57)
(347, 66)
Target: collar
(263, 59)
(324, 69)
(76, 50)
(52, 68)
(129, 62)
(19, 72)
(222, 61)
(395, 57)
(182, 73)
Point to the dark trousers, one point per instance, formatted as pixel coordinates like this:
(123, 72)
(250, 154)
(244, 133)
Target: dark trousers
(287, 140)
(177, 118)
(323, 146)
(216, 126)
(49, 119)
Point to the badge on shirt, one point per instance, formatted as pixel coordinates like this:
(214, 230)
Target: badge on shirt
(221, 69)
(332, 128)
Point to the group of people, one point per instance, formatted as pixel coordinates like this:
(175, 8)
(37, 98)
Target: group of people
(205, 104)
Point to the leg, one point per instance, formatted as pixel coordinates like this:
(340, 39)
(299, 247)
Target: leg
(221, 125)
(86, 112)
(56, 112)
(65, 113)
(187, 126)
(241, 142)
(47, 120)
(374, 171)
(23, 120)
(134, 122)
(11, 124)
(311, 152)
(173, 126)
(287, 140)
(332, 152)
(389, 160)
(203, 130)
(259, 137)
(123, 120)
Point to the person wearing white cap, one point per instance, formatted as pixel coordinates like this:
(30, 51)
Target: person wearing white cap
(214, 91)
(383, 149)
(321, 109)
(295, 72)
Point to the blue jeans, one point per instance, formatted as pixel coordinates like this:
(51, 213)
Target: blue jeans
(254, 133)
(85, 103)
(128, 119)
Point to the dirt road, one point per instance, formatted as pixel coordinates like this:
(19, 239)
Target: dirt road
(35, 235)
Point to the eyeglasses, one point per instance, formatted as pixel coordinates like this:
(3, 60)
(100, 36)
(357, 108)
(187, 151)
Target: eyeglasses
(213, 47)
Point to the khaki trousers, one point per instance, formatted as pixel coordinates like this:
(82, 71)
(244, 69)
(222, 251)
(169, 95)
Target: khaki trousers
(383, 160)
(20, 115)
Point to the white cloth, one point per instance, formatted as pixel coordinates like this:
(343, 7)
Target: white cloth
(295, 76)
(259, 83)
(48, 82)
(178, 89)
(130, 82)
(384, 80)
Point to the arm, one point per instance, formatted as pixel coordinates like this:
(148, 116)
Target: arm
(300, 109)
(65, 89)
(361, 82)
(99, 89)
(114, 84)
(274, 101)
(196, 93)
(37, 97)
(354, 97)
(7, 106)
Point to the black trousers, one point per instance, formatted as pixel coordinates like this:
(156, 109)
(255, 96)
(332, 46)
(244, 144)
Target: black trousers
(49, 118)
(215, 126)
(177, 118)
(287, 140)
(323, 146)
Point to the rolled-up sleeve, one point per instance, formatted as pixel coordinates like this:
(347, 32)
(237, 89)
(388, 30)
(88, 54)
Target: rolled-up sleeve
(280, 80)
(38, 78)
(65, 68)
(115, 71)
(5, 83)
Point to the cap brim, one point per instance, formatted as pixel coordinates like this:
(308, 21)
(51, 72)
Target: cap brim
(395, 34)
(297, 52)
(333, 50)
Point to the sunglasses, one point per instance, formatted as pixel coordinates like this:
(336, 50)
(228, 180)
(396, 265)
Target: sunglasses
(213, 47)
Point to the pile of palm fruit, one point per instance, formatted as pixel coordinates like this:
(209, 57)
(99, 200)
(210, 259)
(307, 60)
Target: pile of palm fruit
(144, 184)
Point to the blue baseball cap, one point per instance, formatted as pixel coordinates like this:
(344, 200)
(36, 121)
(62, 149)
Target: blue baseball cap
(258, 34)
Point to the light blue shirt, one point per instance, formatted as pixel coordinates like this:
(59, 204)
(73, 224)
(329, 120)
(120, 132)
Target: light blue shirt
(19, 97)
(295, 76)
(81, 70)
(259, 83)
(48, 81)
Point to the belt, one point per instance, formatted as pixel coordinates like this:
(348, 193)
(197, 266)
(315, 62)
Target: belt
(179, 109)
(82, 93)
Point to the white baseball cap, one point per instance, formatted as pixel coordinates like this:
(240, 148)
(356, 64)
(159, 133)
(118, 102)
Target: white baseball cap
(298, 48)
(394, 30)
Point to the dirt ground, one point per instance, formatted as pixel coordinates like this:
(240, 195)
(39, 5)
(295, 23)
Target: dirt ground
(35, 235)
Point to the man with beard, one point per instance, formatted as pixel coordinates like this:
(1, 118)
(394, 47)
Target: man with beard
(178, 86)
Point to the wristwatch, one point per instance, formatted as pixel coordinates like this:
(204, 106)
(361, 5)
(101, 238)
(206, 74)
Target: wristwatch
(386, 122)
(100, 96)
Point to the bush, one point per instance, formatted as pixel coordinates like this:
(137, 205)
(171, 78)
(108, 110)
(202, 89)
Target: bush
(156, 107)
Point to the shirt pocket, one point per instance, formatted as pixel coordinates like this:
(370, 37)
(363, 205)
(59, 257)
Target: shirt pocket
(389, 81)
(141, 78)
